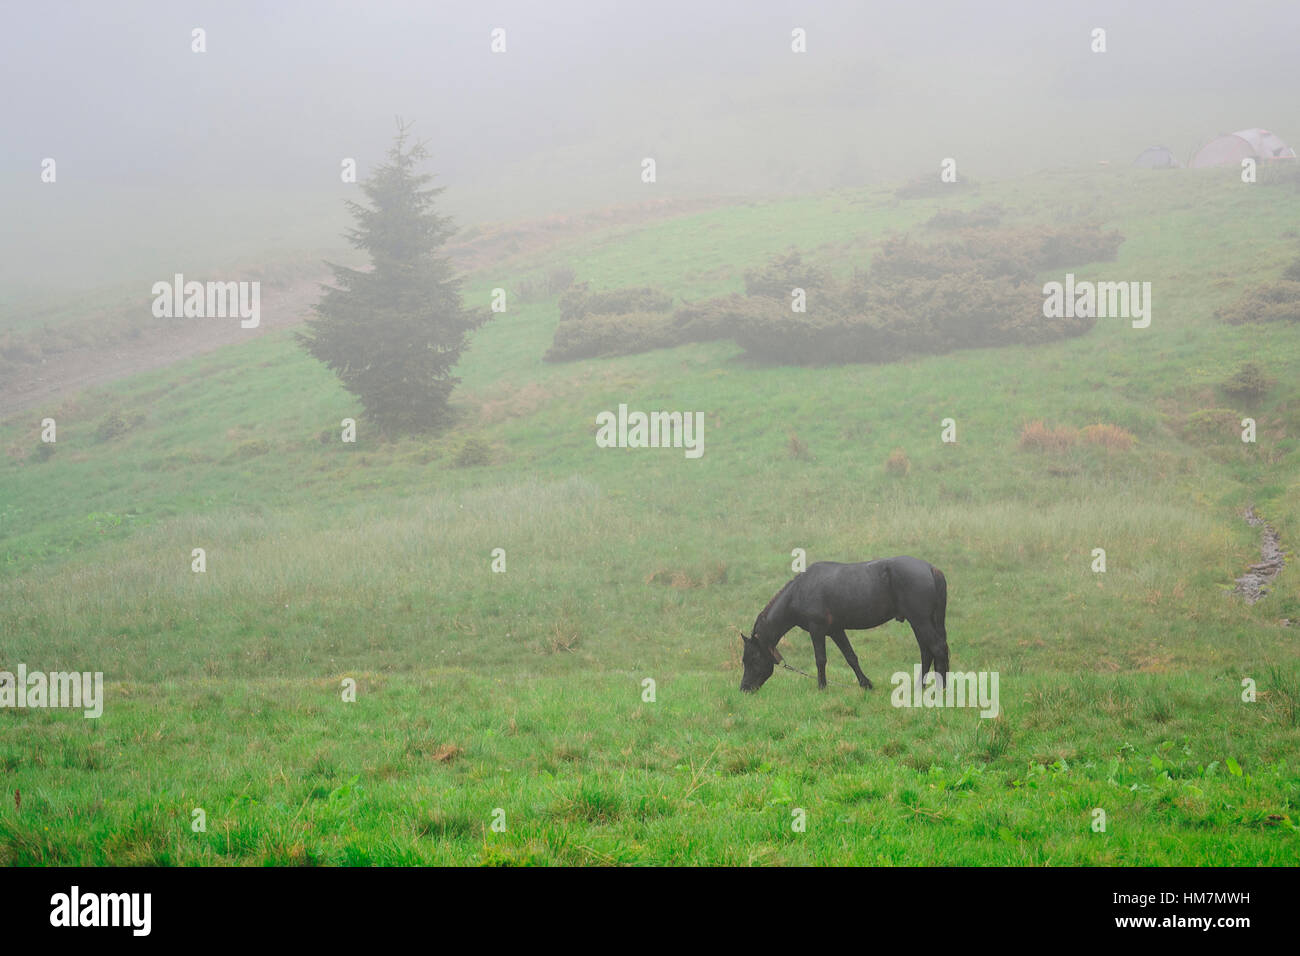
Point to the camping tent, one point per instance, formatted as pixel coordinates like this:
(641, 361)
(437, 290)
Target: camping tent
(1231, 149)
(1157, 157)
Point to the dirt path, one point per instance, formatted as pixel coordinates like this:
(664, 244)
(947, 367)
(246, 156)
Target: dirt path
(1254, 584)
(63, 374)
(67, 373)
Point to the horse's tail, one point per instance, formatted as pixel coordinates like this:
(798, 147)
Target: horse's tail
(937, 614)
(940, 608)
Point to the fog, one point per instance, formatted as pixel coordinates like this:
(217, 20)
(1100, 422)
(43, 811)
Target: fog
(169, 159)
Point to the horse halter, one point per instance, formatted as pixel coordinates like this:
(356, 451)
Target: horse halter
(781, 660)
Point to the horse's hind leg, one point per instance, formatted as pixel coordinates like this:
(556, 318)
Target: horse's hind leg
(941, 657)
(842, 642)
(934, 651)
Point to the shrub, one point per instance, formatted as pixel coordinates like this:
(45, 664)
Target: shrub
(1018, 253)
(1036, 436)
(1110, 437)
(580, 301)
(535, 288)
(1248, 383)
(784, 273)
(531, 289)
(43, 451)
(474, 452)
(605, 335)
(900, 318)
(712, 319)
(770, 331)
(559, 279)
(111, 427)
(1272, 302)
(973, 291)
(898, 464)
(1050, 248)
(1212, 424)
(901, 258)
(990, 214)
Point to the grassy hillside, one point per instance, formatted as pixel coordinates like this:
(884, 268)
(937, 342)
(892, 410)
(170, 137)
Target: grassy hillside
(523, 690)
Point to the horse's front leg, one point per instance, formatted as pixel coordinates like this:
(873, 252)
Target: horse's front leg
(819, 651)
(842, 642)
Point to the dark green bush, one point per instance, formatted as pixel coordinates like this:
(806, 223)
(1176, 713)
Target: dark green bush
(971, 291)
(1017, 253)
(559, 279)
(580, 301)
(111, 427)
(535, 288)
(990, 214)
(475, 451)
(1249, 382)
(1212, 425)
(785, 273)
(605, 335)
(531, 289)
(913, 316)
(1272, 302)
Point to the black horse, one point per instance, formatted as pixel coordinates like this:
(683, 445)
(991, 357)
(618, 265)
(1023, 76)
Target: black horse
(830, 598)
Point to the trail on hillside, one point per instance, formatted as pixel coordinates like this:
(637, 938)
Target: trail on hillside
(65, 373)
(1254, 584)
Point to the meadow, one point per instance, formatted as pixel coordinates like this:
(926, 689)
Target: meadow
(519, 697)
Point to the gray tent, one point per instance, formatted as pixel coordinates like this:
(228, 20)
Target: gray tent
(1157, 157)
(1230, 150)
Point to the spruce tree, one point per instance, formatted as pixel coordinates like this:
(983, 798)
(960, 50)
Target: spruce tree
(394, 334)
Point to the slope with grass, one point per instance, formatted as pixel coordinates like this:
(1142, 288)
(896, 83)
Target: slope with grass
(523, 691)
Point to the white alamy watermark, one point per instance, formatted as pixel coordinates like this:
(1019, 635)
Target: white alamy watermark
(1098, 300)
(84, 691)
(75, 908)
(208, 300)
(961, 689)
(651, 430)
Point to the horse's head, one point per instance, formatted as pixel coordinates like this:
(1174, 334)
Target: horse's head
(759, 660)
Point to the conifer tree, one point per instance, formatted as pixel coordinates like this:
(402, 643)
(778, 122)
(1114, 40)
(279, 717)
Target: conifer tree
(394, 334)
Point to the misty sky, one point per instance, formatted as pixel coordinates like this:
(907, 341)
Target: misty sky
(165, 155)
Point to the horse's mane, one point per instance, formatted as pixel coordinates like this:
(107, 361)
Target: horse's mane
(762, 615)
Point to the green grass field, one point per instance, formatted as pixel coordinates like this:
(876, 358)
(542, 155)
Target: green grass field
(523, 691)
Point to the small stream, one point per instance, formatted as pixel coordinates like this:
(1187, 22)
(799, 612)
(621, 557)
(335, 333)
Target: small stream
(1256, 582)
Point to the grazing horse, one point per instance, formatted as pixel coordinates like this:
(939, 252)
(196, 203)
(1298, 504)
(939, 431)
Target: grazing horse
(830, 598)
